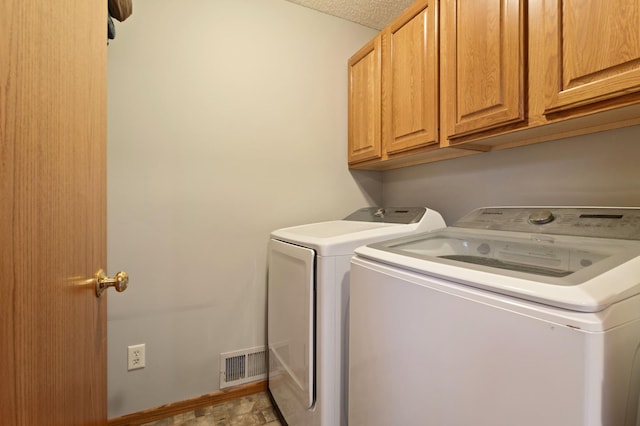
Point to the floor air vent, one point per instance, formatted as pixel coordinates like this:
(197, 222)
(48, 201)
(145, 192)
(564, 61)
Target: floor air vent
(244, 366)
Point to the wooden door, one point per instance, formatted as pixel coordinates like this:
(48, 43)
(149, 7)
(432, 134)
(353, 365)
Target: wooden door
(52, 212)
(410, 79)
(364, 103)
(483, 65)
(593, 51)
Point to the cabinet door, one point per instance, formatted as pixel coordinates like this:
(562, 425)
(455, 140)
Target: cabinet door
(410, 79)
(593, 51)
(482, 64)
(364, 103)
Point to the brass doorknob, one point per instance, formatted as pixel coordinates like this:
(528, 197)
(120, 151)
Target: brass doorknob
(119, 282)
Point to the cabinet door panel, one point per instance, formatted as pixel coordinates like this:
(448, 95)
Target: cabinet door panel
(364, 103)
(594, 51)
(410, 81)
(483, 64)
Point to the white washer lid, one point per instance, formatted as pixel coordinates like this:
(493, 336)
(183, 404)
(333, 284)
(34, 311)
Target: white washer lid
(577, 273)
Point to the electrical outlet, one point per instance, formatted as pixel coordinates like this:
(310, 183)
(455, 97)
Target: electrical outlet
(135, 359)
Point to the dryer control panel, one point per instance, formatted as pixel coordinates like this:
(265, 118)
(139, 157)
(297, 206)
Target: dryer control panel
(599, 222)
(402, 215)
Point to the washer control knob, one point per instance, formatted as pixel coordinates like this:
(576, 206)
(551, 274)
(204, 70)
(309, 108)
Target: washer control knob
(541, 217)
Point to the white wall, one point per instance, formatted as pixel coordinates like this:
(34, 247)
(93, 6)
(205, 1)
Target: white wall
(598, 169)
(227, 120)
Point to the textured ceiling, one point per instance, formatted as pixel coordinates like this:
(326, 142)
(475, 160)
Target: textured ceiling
(370, 13)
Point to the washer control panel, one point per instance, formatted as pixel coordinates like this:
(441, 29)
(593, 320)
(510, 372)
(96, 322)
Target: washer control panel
(599, 222)
(402, 215)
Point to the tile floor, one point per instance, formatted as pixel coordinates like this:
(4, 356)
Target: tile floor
(249, 410)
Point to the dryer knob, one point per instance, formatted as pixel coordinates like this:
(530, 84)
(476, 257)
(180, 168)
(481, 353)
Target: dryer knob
(541, 217)
(484, 248)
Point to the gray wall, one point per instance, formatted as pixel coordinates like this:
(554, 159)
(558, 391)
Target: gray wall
(227, 120)
(598, 169)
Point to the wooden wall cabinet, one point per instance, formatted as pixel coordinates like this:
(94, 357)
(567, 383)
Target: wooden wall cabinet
(454, 77)
(483, 65)
(410, 79)
(394, 94)
(593, 51)
(517, 72)
(364, 103)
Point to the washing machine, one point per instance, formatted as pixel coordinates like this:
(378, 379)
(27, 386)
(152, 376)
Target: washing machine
(520, 316)
(308, 295)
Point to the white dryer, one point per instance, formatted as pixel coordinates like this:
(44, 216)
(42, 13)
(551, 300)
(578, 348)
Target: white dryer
(513, 316)
(308, 294)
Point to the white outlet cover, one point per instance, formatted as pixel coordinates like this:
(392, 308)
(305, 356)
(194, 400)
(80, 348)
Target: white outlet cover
(136, 357)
